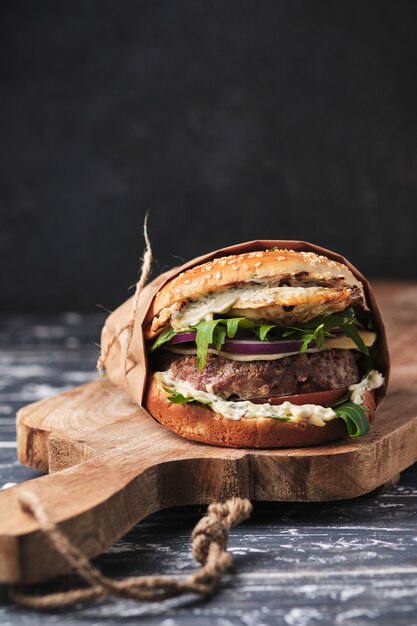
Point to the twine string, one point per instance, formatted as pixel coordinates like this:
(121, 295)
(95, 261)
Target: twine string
(209, 548)
(143, 277)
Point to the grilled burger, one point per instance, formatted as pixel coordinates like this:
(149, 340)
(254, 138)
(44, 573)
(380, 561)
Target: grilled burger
(265, 349)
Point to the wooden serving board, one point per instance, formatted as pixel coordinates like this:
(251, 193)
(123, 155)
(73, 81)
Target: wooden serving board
(110, 466)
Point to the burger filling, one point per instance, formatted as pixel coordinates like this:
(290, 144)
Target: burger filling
(236, 380)
(183, 391)
(351, 413)
(236, 353)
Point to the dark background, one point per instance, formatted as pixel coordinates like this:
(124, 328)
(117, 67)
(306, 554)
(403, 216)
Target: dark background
(227, 120)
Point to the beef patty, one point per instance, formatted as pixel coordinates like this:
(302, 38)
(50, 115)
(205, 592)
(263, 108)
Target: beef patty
(240, 380)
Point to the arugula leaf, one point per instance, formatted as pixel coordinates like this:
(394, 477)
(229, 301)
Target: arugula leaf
(177, 398)
(215, 332)
(351, 332)
(203, 338)
(321, 327)
(220, 337)
(242, 322)
(232, 324)
(165, 336)
(290, 331)
(263, 330)
(346, 398)
(307, 340)
(319, 335)
(354, 416)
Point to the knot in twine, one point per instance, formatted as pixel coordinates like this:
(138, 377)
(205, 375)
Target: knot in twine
(209, 548)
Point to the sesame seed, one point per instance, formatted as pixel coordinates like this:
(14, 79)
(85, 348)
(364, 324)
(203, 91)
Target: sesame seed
(235, 267)
(246, 266)
(280, 258)
(257, 264)
(187, 282)
(218, 275)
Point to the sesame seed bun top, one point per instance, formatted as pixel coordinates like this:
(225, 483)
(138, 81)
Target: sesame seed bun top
(340, 288)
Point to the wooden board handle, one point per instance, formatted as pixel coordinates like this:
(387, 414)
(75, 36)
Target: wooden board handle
(97, 501)
(91, 504)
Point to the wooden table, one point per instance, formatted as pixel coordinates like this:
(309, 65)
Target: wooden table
(352, 562)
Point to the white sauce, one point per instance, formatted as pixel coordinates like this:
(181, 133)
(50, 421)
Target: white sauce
(245, 409)
(310, 413)
(239, 298)
(374, 380)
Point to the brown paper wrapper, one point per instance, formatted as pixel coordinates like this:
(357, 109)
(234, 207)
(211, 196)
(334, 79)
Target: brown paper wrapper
(132, 375)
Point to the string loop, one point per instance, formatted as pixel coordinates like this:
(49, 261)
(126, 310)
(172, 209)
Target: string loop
(209, 548)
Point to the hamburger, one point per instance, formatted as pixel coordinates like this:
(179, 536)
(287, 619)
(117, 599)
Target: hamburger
(268, 348)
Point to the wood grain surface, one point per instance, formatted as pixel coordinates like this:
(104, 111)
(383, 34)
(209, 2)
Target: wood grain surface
(296, 564)
(111, 466)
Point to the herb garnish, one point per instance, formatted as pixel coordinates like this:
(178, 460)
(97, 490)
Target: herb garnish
(354, 416)
(322, 326)
(214, 332)
(165, 336)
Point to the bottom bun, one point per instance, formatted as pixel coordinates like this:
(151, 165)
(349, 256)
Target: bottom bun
(197, 422)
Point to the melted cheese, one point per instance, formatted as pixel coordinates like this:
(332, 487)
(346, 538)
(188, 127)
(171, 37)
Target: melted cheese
(245, 299)
(244, 409)
(346, 343)
(374, 380)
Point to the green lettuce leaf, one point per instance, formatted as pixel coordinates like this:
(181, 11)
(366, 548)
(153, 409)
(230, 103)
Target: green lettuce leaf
(232, 324)
(355, 418)
(322, 326)
(351, 332)
(263, 330)
(165, 336)
(214, 332)
(220, 337)
(204, 332)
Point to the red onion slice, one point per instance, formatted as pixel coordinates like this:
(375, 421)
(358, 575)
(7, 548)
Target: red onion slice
(248, 346)
(182, 338)
(263, 347)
